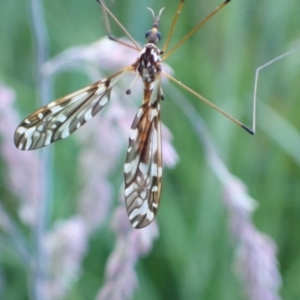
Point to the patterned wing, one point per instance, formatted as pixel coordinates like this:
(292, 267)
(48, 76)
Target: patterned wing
(62, 117)
(143, 166)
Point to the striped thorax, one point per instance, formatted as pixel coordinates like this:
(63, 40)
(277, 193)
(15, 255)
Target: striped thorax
(149, 63)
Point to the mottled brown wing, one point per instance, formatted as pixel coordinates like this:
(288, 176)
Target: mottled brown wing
(143, 166)
(62, 117)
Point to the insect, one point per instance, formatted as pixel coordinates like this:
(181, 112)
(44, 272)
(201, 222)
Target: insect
(143, 163)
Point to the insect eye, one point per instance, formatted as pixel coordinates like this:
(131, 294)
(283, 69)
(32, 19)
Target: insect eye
(158, 35)
(148, 33)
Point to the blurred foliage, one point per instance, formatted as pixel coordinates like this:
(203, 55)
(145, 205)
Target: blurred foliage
(192, 259)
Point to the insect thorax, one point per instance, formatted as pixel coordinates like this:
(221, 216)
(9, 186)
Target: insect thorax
(149, 63)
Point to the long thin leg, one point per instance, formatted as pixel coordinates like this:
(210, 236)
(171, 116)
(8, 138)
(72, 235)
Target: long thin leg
(200, 24)
(208, 102)
(257, 75)
(179, 9)
(106, 11)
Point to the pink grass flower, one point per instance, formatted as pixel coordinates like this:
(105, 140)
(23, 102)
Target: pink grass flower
(22, 171)
(256, 261)
(257, 264)
(131, 244)
(66, 245)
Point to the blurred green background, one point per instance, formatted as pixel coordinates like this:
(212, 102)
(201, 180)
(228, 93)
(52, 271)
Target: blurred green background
(193, 256)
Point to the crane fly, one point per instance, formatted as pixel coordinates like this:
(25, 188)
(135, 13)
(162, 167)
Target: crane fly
(143, 163)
